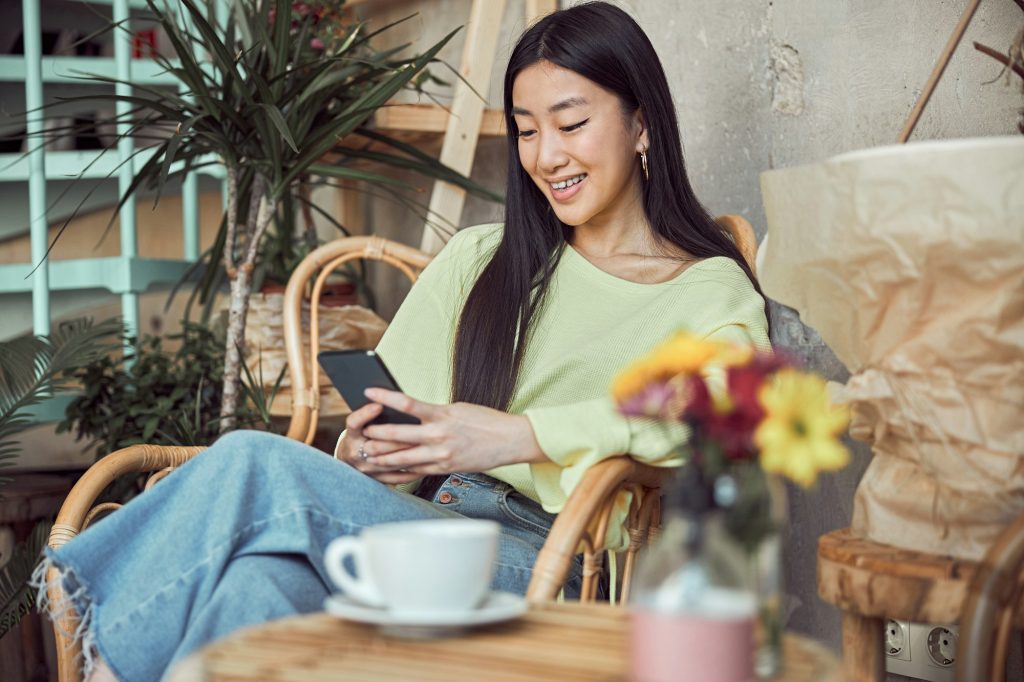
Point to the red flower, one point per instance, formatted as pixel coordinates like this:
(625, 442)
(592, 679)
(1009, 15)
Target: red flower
(731, 423)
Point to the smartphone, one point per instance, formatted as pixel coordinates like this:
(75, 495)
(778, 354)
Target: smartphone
(354, 371)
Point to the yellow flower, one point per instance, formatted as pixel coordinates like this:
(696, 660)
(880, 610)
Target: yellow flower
(683, 353)
(734, 355)
(799, 435)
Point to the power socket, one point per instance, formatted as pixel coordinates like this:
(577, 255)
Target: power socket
(897, 639)
(920, 650)
(942, 646)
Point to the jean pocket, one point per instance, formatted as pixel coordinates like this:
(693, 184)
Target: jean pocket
(524, 513)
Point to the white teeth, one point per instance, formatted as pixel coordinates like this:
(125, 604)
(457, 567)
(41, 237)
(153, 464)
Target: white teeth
(568, 183)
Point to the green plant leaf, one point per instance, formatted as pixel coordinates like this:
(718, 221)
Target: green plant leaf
(370, 36)
(171, 149)
(17, 599)
(354, 114)
(419, 162)
(327, 216)
(355, 174)
(282, 127)
(211, 42)
(33, 367)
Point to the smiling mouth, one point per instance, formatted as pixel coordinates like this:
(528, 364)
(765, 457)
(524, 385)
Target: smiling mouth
(564, 189)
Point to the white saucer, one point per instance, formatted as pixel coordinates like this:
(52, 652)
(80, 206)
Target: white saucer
(498, 606)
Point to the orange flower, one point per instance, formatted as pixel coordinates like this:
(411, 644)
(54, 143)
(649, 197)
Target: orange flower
(683, 353)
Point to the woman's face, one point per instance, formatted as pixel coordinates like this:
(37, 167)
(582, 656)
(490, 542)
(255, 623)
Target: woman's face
(578, 146)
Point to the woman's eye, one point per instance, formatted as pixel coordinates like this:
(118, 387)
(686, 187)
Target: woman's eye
(525, 133)
(575, 126)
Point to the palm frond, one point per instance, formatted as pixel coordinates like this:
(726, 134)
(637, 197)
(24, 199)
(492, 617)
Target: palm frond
(16, 598)
(33, 367)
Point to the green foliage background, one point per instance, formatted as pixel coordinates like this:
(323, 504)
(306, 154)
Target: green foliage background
(156, 395)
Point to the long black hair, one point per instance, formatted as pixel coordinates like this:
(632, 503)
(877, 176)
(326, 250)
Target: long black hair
(605, 45)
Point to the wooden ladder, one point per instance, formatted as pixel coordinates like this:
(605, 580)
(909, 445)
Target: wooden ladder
(465, 121)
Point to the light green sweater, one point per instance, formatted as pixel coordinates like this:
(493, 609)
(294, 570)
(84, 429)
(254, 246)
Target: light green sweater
(591, 325)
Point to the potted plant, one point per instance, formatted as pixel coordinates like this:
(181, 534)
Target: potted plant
(152, 394)
(284, 95)
(759, 418)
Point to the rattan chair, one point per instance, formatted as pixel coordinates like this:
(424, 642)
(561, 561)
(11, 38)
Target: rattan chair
(583, 521)
(994, 597)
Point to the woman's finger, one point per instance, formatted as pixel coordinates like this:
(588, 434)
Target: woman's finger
(358, 419)
(356, 455)
(376, 448)
(402, 403)
(410, 434)
(419, 459)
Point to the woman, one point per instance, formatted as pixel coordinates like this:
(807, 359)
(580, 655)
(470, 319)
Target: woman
(505, 346)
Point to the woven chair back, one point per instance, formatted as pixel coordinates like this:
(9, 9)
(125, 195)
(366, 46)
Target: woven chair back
(308, 279)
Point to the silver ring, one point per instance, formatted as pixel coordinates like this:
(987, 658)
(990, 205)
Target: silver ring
(362, 452)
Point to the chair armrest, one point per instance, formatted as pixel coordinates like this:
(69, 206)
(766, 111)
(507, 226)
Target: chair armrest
(133, 459)
(994, 601)
(599, 484)
(70, 520)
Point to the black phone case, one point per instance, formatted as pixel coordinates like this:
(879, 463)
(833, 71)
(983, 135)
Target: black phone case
(354, 371)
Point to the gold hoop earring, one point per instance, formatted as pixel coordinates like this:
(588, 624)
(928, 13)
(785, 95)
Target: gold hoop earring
(643, 164)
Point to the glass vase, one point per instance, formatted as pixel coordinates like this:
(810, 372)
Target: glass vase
(756, 514)
(766, 576)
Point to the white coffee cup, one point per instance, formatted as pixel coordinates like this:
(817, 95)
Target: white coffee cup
(418, 567)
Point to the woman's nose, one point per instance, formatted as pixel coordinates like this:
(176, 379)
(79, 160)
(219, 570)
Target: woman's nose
(551, 155)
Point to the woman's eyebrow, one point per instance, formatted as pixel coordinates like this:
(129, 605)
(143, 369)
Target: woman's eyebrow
(567, 103)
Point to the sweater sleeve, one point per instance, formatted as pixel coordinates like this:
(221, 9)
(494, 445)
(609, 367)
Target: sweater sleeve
(417, 345)
(578, 435)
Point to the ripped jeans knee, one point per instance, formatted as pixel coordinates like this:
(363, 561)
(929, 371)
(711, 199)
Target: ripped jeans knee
(63, 598)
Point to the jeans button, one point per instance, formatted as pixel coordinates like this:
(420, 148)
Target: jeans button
(445, 497)
(455, 480)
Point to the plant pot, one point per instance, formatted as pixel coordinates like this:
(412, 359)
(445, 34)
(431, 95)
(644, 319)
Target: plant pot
(341, 327)
(338, 294)
(907, 260)
(332, 295)
(271, 286)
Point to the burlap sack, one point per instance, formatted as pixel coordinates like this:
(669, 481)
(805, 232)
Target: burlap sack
(341, 328)
(909, 262)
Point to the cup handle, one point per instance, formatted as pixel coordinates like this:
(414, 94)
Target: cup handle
(358, 586)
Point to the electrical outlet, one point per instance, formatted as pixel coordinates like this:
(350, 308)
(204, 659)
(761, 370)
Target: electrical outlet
(920, 651)
(897, 639)
(942, 647)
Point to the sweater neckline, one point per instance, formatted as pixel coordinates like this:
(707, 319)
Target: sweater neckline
(580, 263)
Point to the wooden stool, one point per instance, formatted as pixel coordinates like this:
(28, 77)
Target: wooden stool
(871, 582)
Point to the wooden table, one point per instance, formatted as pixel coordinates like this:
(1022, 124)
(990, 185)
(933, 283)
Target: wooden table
(563, 642)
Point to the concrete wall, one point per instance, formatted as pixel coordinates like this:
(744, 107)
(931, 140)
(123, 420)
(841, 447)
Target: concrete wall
(775, 83)
(762, 84)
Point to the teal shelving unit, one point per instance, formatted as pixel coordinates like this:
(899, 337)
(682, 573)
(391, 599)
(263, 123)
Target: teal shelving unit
(127, 275)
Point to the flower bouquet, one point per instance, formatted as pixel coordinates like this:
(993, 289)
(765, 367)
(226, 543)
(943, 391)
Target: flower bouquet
(747, 417)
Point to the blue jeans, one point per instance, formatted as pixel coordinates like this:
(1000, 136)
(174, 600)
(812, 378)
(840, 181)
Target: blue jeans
(236, 537)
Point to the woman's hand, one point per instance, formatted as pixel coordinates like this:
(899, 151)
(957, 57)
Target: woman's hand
(451, 438)
(356, 449)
